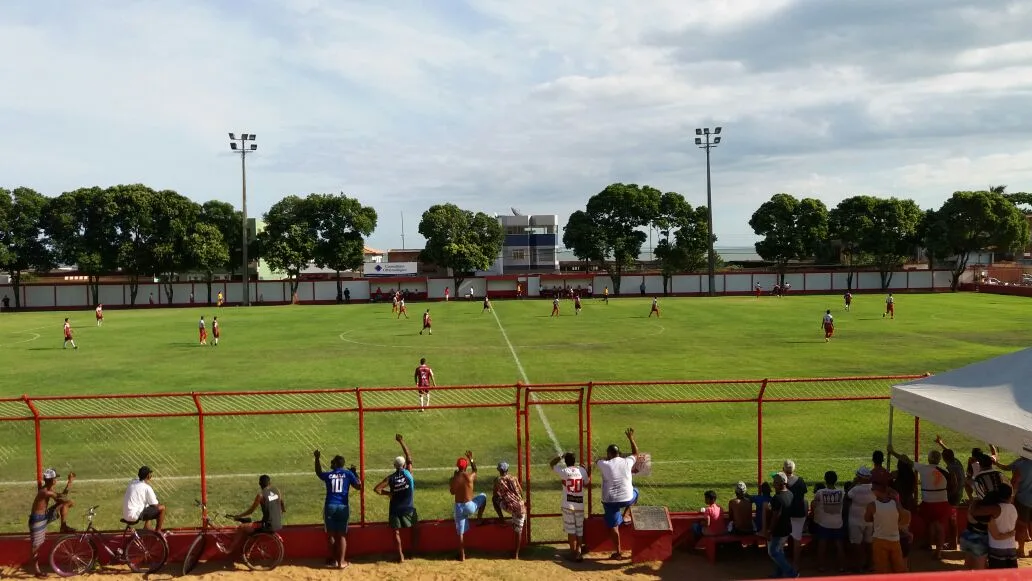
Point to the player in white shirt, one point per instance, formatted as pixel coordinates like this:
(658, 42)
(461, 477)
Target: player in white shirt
(890, 307)
(100, 315)
(828, 324)
(140, 503)
(575, 482)
(618, 493)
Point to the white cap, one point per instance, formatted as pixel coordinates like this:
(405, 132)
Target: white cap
(399, 462)
(49, 474)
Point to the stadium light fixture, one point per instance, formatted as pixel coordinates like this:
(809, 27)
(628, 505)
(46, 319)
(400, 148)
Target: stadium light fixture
(705, 143)
(240, 145)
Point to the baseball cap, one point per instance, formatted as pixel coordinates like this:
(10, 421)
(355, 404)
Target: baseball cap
(399, 462)
(49, 474)
(780, 478)
(144, 472)
(503, 466)
(741, 487)
(461, 463)
(863, 472)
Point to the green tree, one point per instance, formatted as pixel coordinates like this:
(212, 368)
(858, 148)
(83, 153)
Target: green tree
(289, 239)
(134, 232)
(848, 223)
(230, 223)
(173, 218)
(792, 229)
(208, 252)
(461, 240)
(23, 240)
(343, 224)
(683, 231)
(607, 231)
(972, 222)
(80, 224)
(893, 235)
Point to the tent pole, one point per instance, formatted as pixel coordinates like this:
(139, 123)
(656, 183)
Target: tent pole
(888, 457)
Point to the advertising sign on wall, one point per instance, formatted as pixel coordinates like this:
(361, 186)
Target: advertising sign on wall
(389, 269)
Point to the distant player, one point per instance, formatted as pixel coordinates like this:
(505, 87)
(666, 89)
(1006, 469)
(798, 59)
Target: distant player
(487, 305)
(848, 298)
(215, 331)
(202, 331)
(555, 307)
(519, 291)
(759, 290)
(218, 298)
(394, 304)
(605, 294)
(655, 307)
(402, 309)
(447, 293)
(424, 377)
(68, 335)
(426, 324)
(100, 315)
(890, 307)
(470, 295)
(576, 304)
(828, 323)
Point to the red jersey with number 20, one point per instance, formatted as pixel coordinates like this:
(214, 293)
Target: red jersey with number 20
(423, 373)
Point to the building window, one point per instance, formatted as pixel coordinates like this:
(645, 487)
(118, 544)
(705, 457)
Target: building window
(519, 254)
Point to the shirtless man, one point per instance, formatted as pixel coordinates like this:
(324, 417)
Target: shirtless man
(466, 504)
(740, 509)
(42, 513)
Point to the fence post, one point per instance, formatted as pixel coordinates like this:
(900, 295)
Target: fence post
(361, 456)
(203, 452)
(917, 439)
(587, 450)
(39, 437)
(519, 439)
(580, 424)
(759, 432)
(526, 444)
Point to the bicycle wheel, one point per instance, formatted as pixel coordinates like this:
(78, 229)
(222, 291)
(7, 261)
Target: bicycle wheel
(73, 555)
(147, 552)
(193, 556)
(263, 551)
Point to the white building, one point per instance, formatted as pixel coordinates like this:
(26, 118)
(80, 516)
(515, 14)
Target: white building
(531, 244)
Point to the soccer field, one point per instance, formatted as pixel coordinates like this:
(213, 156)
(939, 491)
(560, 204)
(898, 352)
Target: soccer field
(694, 447)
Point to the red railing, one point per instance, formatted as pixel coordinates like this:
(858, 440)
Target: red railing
(114, 434)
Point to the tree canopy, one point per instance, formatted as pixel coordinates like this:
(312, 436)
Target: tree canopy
(289, 239)
(342, 225)
(792, 229)
(461, 240)
(24, 244)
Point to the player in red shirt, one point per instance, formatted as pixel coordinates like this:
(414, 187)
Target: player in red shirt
(424, 377)
(890, 307)
(828, 323)
(576, 304)
(759, 290)
(848, 298)
(215, 331)
(447, 293)
(655, 307)
(402, 309)
(555, 307)
(426, 324)
(100, 315)
(68, 335)
(202, 331)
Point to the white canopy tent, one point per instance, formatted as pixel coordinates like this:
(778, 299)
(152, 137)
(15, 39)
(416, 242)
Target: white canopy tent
(991, 400)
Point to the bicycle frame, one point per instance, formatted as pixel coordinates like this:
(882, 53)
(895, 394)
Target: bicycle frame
(112, 546)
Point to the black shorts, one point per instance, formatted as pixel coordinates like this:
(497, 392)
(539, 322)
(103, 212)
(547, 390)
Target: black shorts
(149, 513)
(1024, 511)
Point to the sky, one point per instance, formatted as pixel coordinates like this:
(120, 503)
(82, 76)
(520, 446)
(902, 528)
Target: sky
(536, 104)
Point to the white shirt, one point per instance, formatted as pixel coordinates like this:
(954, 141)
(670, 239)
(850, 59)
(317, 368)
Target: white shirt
(933, 482)
(1007, 520)
(827, 508)
(575, 479)
(888, 300)
(200, 324)
(861, 495)
(138, 496)
(616, 479)
(886, 520)
(828, 319)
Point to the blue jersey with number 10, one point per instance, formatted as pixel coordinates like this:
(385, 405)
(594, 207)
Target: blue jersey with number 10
(337, 483)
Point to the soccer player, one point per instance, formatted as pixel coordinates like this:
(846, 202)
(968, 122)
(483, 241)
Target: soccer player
(555, 307)
(424, 378)
(605, 294)
(100, 315)
(394, 304)
(618, 492)
(42, 513)
(487, 305)
(426, 324)
(848, 298)
(68, 335)
(218, 299)
(759, 290)
(828, 324)
(575, 479)
(890, 307)
(399, 487)
(402, 309)
(202, 331)
(576, 304)
(215, 331)
(466, 503)
(447, 293)
(519, 291)
(655, 307)
(336, 511)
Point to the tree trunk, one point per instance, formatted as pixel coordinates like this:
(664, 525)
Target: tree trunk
(886, 277)
(134, 288)
(340, 289)
(16, 287)
(169, 291)
(94, 284)
(666, 283)
(207, 281)
(615, 275)
(295, 282)
(457, 281)
(958, 269)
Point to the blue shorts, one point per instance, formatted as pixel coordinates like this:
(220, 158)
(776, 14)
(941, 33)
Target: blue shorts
(614, 510)
(826, 534)
(975, 543)
(467, 509)
(335, 517)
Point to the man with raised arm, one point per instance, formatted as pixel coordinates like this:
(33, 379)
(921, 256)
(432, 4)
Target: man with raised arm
(336, 511)
(466, 503)
(618, 494)
(400, 488)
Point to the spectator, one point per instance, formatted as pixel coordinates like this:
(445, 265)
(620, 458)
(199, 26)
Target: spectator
(42, 513)
(955, 486)
(935, 507)
(400, 488)
(878, 463)
(140, 503)
(798, 511)
(778, 526)
(347, 296)
(336, 510)
(860, 531)
(741, 510)
(618, 492)
(827, 506)
(1022, 470)
(904, 480)
(1003, 548)
(270, 500)
(712, 523)
(761, 501)
(466, 504)
(887, 518)
(508, 496)
(575, 478)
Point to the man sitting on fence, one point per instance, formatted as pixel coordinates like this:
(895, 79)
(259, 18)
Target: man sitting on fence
(42, 513)
(466, 504)
(140, 503)
(618, 493)
(508, 496)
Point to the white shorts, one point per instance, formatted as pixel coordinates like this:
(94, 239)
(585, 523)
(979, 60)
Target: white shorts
(573, 521)
(797, 527)
(861, 532)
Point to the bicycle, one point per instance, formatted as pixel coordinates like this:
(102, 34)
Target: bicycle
(262, 551)
(144, 550)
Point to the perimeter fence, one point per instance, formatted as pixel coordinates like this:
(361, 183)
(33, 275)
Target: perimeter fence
(211, 446)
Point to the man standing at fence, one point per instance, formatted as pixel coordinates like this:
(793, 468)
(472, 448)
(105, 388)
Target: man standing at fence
(575, 478)
(400, 488)
(42, 513)
(778, 526)
(336, 511)
(466, 504)
(140, 503)
(618, 493)
(798, 510)
(508, 496)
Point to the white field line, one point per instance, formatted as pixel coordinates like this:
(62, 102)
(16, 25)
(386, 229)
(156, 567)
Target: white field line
(523, 374)
(386, 469)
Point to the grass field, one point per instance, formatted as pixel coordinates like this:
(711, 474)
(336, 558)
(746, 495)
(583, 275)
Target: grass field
(695, 447)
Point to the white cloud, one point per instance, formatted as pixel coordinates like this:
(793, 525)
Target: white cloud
(492, 102)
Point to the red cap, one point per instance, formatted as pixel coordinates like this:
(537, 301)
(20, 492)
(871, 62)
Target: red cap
(461, 463)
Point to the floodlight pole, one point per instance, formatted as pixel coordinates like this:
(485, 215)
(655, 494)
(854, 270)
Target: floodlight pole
(705, 143)
(244, 149)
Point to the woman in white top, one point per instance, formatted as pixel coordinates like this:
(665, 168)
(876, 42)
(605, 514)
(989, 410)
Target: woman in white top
(1003, 548)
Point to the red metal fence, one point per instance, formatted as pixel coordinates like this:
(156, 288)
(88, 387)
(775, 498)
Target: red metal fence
(209, 445)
